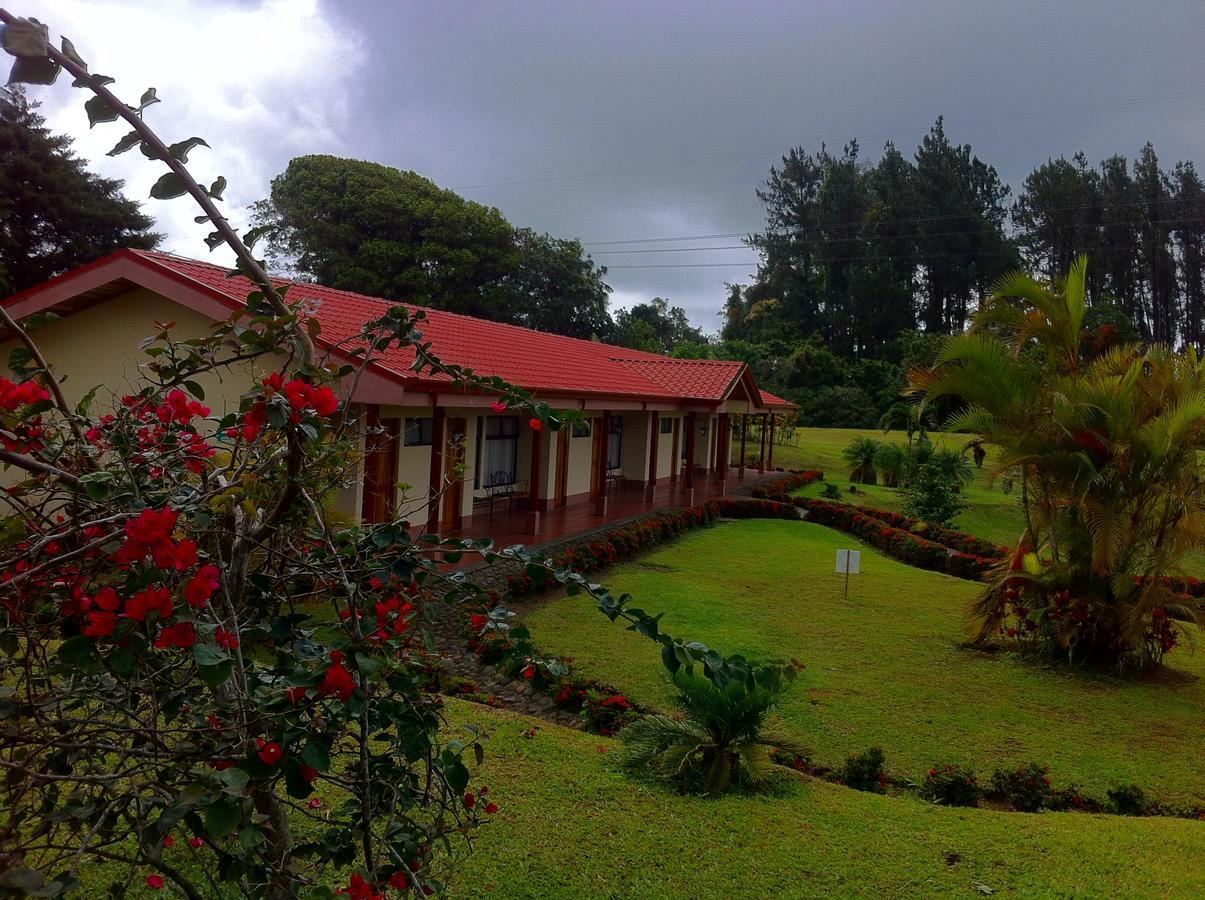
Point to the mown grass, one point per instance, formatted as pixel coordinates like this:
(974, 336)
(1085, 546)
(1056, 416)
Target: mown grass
(573, 824)
(887, 666)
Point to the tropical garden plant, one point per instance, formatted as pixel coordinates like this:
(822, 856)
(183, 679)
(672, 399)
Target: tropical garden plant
(193, 648)
(1105, 443)
(719, 742)
(860, 454)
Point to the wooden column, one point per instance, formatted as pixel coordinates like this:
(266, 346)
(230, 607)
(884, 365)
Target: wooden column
(692, 428)
(650, 490)
(536, 475)
(723, 448)
(675, 457)
(604, 453)
(740, 466)
(770, 461)
(761, 459)
(435, 483)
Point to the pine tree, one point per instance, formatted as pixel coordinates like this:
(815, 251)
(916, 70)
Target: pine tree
(54, 213)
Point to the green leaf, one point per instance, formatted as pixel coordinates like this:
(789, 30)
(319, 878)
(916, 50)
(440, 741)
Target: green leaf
(214, 239)
(215, 189)
(70, 52)
(148, 97)
(168, 186)
(195, 389)
(99, 111)
(235, 780)
(457, 774)
(31, 70)
(77, 652)
(26, 38)
(86, 401)
(180, 149)
(19, 357)
(124, 144)
(316, 756)
(209, 655)
(222, 817)
(98, 485)
(215, 675)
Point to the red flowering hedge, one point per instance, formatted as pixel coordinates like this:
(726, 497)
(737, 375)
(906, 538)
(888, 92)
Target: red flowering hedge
(940, 550)
(782, 487)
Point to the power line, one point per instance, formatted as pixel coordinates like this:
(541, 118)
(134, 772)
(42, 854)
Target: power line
(989, 120)
(888, 222)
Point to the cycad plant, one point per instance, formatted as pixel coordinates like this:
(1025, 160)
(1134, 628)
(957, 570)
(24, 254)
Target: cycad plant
(891, 462)
(719, 740)
(1105, 443)
(860, 456)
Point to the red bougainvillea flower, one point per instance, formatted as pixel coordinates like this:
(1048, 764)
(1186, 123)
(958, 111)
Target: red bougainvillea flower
(491, 808)
(100, 623)
(469, 800)
(358, 888)
(154, 882)
(13, 395)
(479, 621)
(325, 401)
(498, 406)
(182, 635)
(227, 640)
(169, 841)
(201, 586)
(196, 842)
(152, 526)
(308, 773)
(156, 599)
(269, 752)
(399, 880)
(535, 424)
(337, 682)
(295, 694)
(529, 671)
(221, 765)
(315, 803)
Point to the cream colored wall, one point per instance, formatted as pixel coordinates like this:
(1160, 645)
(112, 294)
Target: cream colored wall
(413, 466)
(99, 346)
(634, 456)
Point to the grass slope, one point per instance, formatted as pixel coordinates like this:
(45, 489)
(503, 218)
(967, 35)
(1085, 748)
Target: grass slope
(573, 824)
(886, 666)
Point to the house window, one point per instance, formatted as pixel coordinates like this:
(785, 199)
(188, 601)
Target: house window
(419, 432)
(615, 445)
(501, 449)
(582, 429)
(667, 426)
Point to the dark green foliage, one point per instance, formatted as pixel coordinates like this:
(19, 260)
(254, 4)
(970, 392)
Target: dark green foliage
(860, 455)
(952, 786)
(656, 327)
(719, 740)
(557, 287)
(830, 491)
(864, 771)
(1026, 788)
(932, 496)
(54, 213)
(1128, 800)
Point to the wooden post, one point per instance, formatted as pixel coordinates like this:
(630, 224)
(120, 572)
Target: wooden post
(770, 461)
(650, 490)
(435, 483)
(535, 477)
(740, 466)
(604, 454)
(692, 428)
(761, 459)
(723, 449)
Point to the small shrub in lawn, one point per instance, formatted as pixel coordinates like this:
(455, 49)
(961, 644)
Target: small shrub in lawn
(864, 771)
(1128, 800)
(952, 785)
(830, 491)
(1026, 788)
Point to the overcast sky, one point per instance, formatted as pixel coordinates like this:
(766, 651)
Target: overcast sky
(625, 121)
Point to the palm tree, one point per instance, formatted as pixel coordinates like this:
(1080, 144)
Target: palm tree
(906, 416)
(1105, 445)
(719, 740)
(860, 456)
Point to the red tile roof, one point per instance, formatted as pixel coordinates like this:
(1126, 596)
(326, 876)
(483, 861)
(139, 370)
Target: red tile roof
(535, 360)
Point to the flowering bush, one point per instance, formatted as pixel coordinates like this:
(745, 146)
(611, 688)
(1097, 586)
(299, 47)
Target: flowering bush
(865, 772)
(781, 487)
(1026, 788)
(951, 785)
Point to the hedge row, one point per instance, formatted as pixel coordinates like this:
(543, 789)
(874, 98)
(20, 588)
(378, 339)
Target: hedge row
(783, 486)
(875, 528)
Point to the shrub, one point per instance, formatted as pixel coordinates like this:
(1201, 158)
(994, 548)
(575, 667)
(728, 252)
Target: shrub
(891, 461)
(952, 785)
(864, 771)
(953, 466)
(781, 487)
(1025, 789)
(932, 496)
(830, 491)
(860, 455)
(1128, 800)
(718, 743)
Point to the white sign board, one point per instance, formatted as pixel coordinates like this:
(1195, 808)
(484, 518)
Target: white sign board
(849, 562)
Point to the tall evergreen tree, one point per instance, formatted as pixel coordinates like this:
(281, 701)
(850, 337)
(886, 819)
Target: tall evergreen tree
(1118, 253)
(1189, 205)
(1057, 216)
(54, 213)
(1155, 244)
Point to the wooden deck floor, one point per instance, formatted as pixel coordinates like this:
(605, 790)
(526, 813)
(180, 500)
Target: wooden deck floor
(515, 526)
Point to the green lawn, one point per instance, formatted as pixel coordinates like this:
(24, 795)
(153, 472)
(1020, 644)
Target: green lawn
(886, 666)
(992, 514)
(573, 824)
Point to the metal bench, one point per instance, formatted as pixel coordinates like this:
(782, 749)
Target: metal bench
(503, 485)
